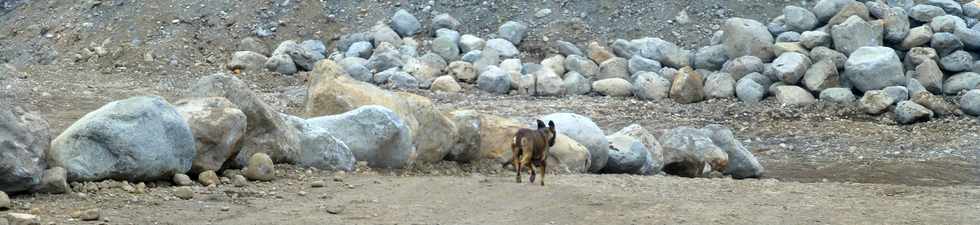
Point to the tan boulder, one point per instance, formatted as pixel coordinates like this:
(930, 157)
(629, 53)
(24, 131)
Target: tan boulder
(568, 156)
(496, 135)
(332, 92)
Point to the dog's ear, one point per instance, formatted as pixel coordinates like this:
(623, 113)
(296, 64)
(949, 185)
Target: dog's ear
(540, 124)
(554, 134)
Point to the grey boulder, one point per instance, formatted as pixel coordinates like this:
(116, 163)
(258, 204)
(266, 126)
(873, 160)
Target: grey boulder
(374, 134)
(874, 68)
(139, 138)
(320, 148)
(405, 23)
(24, 140)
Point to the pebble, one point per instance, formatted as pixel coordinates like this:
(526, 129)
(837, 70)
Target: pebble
(317, 184)
(542, 13)
(208, 178)
(181, 179)
(239, 181)
(225, 208)
(184, 193)
(90, 215)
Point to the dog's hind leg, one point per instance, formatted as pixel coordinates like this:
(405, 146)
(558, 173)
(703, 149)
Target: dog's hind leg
(531, 168)
(544, 170)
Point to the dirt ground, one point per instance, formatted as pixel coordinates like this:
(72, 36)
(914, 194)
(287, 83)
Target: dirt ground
(497, 199)
(826, 163)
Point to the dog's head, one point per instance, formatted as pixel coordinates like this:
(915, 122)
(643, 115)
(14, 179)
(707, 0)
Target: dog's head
(549, 131)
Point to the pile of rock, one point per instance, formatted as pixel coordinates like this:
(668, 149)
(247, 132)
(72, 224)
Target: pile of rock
(831, 52)
(221, 125)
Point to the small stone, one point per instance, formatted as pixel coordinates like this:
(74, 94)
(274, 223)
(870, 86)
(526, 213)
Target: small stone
(719, 85)
(462, 71)
(791, 36)
(821, 76)
(55, 181)
(445, 84)
(748, 90)
(444, 21)
(855, 33)
(896, 24)
(614, 87)
(957, 61)
(567, 49)
(790, 67)
(785, 47)
(503, 47)
(970, 102)
(838, 95)
(599, 53)
(468, 43)
(876, 102)
(710, 57)
(184, 193)
(494, 80)
(556, 63)
(874, 68)
(639, 64)
(937, 104)
(317, 184)
(854, 9)
(964, 81)
(918, 55)
(361, 49)
(575, 84)
(821, 53)
(542, 13)
(947, 23)
(405, 23)
(581, 65)
(446, 47)
(90, 215)
(799, 19)
(239, 180)
(793, 95)
(948, 6)
(650, 86)
(925, 13)
(471, 56)
(918, 36)
(908, 112)
(182, 180)
(208, 178)
(615, 67)
(687, 86)
(741, 66)
(23, 219)
(945, 43)
(225, 208)
(623, 48)
(260, 167)
(513, 31)
(899, 93)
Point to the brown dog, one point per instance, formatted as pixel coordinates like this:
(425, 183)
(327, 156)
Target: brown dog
(530, 148)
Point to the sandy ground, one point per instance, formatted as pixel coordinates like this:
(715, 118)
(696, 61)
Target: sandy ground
(496, 199)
